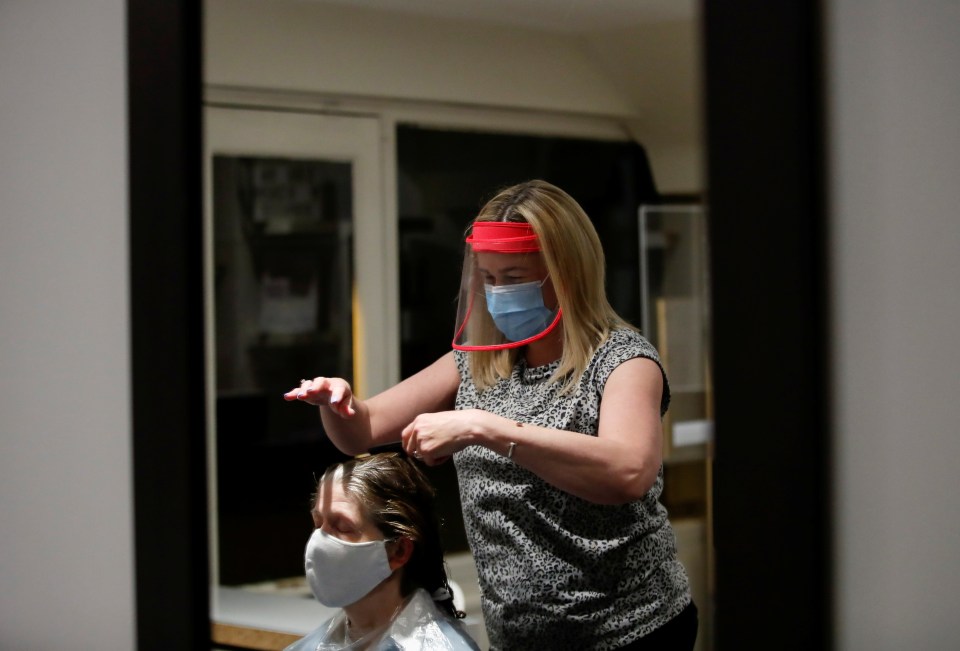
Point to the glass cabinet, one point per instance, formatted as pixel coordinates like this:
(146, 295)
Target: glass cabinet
(676, 319)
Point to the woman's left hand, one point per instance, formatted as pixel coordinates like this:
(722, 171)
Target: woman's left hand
(433, 438)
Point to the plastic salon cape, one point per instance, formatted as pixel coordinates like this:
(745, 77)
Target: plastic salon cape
(418, 626)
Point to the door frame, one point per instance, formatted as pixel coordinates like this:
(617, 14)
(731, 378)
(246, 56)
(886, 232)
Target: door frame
(375, 297)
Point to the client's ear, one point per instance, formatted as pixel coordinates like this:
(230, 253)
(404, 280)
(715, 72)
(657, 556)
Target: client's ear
(401, 552)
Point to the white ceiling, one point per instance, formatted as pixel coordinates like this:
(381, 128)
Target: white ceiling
(572, 16)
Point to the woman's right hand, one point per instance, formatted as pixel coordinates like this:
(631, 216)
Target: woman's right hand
(332, 392)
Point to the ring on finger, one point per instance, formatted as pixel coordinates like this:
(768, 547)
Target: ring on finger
(417, 455)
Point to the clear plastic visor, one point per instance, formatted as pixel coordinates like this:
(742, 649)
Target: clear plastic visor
(506, 301)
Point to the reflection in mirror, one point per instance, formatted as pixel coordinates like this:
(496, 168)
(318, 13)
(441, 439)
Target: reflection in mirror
(602, 102)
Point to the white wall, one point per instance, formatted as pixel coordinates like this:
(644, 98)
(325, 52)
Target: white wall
(644, 76)
(309, 46)
(66, 550)
(658, 67)
(895, 182)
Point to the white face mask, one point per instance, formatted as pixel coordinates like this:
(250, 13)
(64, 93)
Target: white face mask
(341, 573)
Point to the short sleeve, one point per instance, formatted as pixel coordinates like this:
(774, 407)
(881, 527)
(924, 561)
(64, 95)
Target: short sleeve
(622, 345)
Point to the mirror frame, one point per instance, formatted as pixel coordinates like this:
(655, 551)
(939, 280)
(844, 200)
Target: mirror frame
(768, 246)
(164, 78)
(765, 160)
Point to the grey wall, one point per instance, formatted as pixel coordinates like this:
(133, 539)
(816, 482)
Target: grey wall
(894, 104)
(66, 550)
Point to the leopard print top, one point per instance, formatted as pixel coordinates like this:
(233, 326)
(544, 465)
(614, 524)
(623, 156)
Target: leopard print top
(557, 571)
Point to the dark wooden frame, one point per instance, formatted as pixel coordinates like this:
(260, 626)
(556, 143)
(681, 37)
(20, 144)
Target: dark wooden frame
(167, 348)
(767, 233)
(766, 203)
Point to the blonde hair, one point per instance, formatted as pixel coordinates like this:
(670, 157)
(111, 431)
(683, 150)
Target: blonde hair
(574, 259)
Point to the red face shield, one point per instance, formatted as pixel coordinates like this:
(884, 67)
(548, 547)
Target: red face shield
(506, 299)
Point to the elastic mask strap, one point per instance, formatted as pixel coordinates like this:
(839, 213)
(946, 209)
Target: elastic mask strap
(506, 289)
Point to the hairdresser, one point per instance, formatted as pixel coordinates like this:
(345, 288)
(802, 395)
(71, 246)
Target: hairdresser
(550, 405)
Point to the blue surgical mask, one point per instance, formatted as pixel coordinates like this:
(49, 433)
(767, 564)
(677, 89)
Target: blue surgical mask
(518, 310)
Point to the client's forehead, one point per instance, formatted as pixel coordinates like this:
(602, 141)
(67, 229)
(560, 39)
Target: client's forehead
(332, 498)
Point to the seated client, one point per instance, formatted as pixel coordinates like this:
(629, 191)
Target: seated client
(375, 552)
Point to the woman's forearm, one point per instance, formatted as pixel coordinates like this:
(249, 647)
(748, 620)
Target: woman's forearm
(355, 425)
(618, 465)
(350, 435)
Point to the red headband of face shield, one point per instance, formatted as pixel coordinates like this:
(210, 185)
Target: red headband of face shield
(503, 237)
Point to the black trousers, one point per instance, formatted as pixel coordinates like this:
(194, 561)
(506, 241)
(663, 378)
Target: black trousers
(679, 634)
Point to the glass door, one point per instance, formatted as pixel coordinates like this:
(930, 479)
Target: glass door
(300, 283)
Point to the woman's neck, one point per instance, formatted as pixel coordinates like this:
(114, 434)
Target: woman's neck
(546, 350)
(376, 609)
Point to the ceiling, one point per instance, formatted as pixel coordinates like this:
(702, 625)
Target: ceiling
(566, 16)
